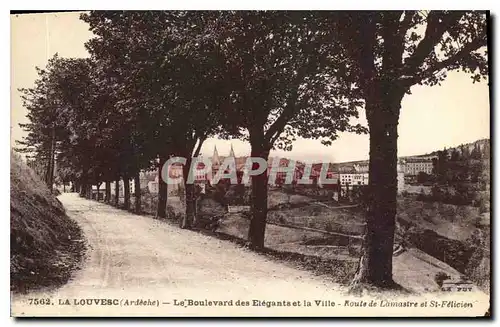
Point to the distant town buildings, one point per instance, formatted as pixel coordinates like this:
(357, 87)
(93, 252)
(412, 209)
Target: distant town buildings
(348, 174)
(277, 169)
(354, 178)
(357, 174)
(415, 165)
(401, 176)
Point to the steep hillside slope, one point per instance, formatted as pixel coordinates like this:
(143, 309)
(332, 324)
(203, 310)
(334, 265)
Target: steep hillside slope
(45, 244)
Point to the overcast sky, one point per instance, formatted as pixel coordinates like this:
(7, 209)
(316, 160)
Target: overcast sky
(431, 117)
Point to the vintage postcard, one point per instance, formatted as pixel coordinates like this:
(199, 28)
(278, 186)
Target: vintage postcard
(250, 164)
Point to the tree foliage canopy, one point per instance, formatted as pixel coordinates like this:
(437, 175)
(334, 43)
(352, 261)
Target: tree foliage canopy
(159, 84)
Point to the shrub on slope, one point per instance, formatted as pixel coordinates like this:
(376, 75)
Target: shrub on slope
(45, 244)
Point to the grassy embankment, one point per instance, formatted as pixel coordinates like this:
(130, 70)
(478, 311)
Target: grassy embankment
(45, 244)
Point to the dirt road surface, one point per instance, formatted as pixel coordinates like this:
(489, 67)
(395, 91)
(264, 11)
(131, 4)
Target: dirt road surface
(133, 257)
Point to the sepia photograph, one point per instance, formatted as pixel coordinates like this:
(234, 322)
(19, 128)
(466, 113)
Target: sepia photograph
(250, 163)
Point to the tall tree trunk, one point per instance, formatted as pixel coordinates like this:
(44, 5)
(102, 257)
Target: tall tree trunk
(89, 192)
(117, 192)
(50, 174)
(376, 263)
(83, 189)
(137, 187)
(257, 229)
(126, 192)
(161, 210)
(188, 219)
(107, 197)
(98, 187)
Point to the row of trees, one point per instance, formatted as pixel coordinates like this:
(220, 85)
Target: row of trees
(458, 165)
(461, 176)
(461, 165)
(157, 84)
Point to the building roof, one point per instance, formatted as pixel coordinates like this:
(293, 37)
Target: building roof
(416, 159)
(231, 152)
(215, 158)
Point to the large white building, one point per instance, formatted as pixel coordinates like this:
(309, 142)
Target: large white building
(413, 166)
(358, 175)
(353, 178)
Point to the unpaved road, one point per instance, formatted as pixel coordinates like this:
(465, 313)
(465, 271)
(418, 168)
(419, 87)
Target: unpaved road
(132, 257)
